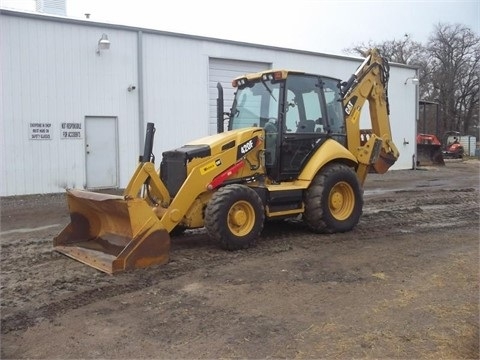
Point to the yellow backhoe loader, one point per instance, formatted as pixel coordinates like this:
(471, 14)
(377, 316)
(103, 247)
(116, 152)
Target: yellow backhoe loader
(293, 148)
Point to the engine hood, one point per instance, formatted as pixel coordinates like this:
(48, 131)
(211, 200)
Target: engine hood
(229, 139)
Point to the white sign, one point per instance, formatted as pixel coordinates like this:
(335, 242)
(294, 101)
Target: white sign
(71, 131)
(40, 131)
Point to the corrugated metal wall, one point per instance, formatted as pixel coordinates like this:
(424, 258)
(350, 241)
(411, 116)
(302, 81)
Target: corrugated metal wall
(175, 72)
(52, 75)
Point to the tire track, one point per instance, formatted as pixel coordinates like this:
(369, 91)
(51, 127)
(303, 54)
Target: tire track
(417, 211)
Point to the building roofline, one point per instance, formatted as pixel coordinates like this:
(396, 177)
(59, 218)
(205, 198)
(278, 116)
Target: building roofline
(64, 19)
(426, 102)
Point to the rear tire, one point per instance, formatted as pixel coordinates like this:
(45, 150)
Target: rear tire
(334, 200)
(234, 217)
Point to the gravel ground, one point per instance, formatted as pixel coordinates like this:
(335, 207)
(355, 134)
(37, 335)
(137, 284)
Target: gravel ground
(403, 284)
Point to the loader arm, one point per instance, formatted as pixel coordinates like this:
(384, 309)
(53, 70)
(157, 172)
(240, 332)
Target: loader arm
(374, 150)
(116, 233)
(145, 174)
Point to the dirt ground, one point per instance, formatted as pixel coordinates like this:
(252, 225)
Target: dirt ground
(403, 284)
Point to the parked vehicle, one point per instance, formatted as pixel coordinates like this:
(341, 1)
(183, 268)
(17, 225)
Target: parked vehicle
(293, 148)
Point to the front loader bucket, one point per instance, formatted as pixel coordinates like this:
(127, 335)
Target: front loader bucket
(112, 234)
(429, 154)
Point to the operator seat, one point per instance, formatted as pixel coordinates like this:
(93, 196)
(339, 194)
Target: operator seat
(270, 141)
(306, 126)
(270, 127)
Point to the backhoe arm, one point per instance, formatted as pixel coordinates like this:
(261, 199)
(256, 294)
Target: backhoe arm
(373, 149)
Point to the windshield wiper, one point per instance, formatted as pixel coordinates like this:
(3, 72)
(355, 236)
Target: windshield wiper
(268, 89)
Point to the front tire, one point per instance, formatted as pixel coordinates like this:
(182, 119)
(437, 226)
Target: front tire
(334, 200)
(178, 230)
(234, 217)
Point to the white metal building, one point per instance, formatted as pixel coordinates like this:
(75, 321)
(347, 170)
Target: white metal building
(73, 115)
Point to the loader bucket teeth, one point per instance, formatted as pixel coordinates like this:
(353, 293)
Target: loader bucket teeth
(112, 234)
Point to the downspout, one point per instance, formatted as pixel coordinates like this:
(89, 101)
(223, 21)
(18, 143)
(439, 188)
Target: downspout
(417, 118)
(141, 113)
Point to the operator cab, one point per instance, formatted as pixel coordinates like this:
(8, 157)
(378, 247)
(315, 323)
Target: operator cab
(298, 112)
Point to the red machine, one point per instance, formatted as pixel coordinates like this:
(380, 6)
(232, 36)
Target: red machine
(431, 152)
(453, 148)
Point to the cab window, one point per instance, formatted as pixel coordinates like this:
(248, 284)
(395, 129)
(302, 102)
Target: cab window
(303, 108)
(334, 106)
(255, 105)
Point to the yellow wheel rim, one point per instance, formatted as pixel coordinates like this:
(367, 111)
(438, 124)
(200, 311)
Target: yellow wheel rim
(241, 218)
(341, 201)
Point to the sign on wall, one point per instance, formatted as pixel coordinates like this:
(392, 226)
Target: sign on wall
(71, 130)
(40, 131)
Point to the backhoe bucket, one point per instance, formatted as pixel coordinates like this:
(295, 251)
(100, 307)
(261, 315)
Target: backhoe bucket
(112, 234)
(429, 154)
(383, 163)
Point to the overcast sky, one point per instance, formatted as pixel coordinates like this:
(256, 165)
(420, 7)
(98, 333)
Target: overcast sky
(327, 26)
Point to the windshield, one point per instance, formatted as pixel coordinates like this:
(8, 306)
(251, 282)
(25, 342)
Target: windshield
(255, 104)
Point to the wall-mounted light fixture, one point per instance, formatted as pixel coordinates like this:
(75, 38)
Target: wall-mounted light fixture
(103, 43)
(415, 80)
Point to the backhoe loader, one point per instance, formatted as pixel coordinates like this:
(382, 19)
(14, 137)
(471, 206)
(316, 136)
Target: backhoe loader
(293, 149)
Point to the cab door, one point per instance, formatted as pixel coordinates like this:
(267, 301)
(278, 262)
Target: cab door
(304, 124)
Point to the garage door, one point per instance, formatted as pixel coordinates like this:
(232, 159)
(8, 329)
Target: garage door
(223, 71)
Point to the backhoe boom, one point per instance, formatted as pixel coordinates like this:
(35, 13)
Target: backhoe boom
(369, 83)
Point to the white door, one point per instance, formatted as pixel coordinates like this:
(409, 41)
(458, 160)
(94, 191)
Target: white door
(223, 71)
(101, 151)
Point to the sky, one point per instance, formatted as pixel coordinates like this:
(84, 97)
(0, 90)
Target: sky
(326, 26)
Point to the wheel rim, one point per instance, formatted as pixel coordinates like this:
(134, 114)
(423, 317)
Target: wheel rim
(341, 201)
(241, 218)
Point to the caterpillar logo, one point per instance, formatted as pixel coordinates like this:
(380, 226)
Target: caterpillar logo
(349, 107)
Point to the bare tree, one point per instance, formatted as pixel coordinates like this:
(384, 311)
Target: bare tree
(454, 61)
(403, 51)
(449, 69)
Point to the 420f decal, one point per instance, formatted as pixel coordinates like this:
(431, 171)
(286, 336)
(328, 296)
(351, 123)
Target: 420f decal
(244, 148)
